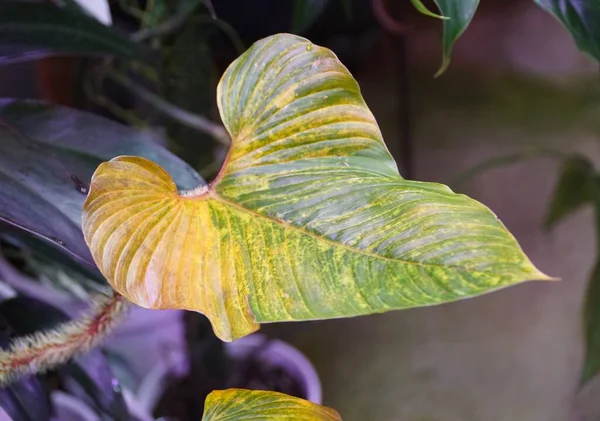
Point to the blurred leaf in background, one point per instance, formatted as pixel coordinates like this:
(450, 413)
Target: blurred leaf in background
(48, 156)
(582, 19)
(305, 13)
(88, 377)
(591, 366)
(156, 13)
(578, 185)
(40, 27)
(458, 14)
(26, 399)
(189, 83)
(575, 188)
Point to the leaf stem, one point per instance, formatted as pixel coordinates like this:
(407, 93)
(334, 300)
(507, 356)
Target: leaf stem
(168, 26)
(42, 351)
(185, 117)
(226, 28)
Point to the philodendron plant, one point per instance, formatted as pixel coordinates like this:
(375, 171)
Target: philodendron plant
(308, 219)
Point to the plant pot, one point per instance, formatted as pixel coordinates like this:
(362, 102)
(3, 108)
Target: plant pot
(276, 353)
(281, 354)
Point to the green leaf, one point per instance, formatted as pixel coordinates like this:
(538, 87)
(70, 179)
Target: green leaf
(591, 315)
(591, 366)
(308, 218)
(306, 13)
(260, 405)
(156, 12)
(60, 31)
(418, 4)
(459, 14)
(48, 156)
(582, 19)
(574, 189)
(164, 17)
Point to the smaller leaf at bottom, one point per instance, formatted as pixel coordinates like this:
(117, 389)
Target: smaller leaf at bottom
(260, 405)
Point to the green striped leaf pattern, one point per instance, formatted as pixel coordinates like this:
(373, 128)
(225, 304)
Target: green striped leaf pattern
(260, 405)
(308, 218)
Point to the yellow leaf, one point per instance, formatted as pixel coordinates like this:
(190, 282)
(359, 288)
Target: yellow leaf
(259, 405)
(308, 218)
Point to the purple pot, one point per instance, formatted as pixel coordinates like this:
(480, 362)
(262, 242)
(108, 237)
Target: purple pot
(282, 355)
(276, 353)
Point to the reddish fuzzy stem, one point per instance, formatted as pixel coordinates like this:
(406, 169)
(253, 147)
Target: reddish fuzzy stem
(45, 350)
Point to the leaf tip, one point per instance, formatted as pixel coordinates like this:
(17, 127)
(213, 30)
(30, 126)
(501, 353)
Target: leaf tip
(443, 67)
(425, 11)
(538, 275)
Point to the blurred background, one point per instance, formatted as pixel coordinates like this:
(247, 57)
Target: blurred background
(517, 85)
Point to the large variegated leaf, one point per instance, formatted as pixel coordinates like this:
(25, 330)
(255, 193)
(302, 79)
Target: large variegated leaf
(260, 405)
(308, 218)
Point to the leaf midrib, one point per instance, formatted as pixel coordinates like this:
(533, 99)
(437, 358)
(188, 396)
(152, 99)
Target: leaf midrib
(219, 198)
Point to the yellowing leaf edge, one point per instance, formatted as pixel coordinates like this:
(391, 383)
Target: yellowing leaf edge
(228, 272)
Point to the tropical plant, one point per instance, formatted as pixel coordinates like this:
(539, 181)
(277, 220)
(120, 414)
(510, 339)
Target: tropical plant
(308, 217)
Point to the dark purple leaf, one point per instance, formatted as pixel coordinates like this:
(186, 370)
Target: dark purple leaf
(48, 156)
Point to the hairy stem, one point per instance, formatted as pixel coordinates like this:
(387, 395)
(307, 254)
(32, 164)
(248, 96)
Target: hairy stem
(45, 350)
